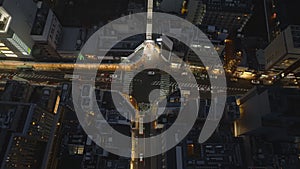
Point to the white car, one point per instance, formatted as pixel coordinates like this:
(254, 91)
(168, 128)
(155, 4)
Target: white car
(201, 88)
(255, 82)
(151, 73)
(214, 76)
(141, 156)
(184, 73)
(113, 76)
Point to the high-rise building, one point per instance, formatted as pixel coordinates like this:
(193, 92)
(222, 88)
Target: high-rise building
(172, 6)
(218, 19)
(227, 14)
(25, 130)
(283, 52)
(278, 15)
(269, 111)
(217, 37)
(47, 33)
(17, 91)
(28, 123)
(15, 25)
(75, 37)
(269, 125)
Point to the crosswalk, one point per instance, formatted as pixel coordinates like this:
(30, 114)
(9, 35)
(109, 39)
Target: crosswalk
(27, 76)
(127, 88)
(201, 87)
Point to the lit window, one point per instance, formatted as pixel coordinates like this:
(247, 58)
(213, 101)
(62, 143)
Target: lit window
(80, 150)
(4, 48)
(11, 55)
(19, 44)
(7, 51)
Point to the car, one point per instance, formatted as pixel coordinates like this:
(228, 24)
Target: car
(151, 73)
(201, 88)
(86, 103)
(65, 86)
(86, 90)
(184, 73)
(213, 76)
(46, 92)
(141, 157)
(255, 81)
(203, 76)
(114, 76)
(267, 82)
(233, 79)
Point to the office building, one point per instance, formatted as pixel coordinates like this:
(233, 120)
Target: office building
(15, 25)
(283, 53)
(29, 119)
(264, 110)
(75, 37)
(17, 91)
(47, 34)
(216, 36)
(269, 125)
(281, 14)
(227, 14)
(25, 130)
(171, 6)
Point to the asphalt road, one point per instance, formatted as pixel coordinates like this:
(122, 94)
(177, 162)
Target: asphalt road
(143, 83)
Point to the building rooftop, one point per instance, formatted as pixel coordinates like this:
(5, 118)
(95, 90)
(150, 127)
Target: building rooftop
(23, 14)
(229, 5)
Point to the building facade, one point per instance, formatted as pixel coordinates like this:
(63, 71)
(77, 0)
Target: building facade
(15, 24)
(227, 14)
(269, 126)
(284, 51)
(25, 129)
(47, 34)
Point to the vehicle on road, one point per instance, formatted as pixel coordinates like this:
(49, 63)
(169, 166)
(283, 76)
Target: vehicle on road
(151, 73)
(184, 73)
(233, 79)
(86, 90)
(141, 155)
(256, 82)
(25, 68)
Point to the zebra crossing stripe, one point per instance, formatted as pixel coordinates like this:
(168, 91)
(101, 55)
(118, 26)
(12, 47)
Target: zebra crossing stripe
(173, 84)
